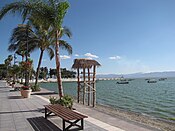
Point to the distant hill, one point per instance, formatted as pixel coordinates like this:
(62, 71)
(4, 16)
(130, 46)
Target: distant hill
(139, 75)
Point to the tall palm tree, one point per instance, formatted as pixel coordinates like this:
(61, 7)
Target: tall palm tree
(21, 41)
(8, 65)
(51, 12)
(13, 71)
(50, 15)
(21, 52)
(24, 8)
(42, 40)
(37, 39)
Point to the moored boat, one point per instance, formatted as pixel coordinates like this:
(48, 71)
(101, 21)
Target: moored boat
(151, 81)
(122, 82)
(162, 79)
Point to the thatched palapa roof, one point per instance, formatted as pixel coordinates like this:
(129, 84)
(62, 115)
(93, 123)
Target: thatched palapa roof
(84, 63)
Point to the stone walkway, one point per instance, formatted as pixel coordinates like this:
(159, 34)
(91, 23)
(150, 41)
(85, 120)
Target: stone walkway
(19, 114)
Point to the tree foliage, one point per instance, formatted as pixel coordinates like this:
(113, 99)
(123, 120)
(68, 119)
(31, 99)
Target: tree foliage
(49, 13)
(3, 71)
(64, 73)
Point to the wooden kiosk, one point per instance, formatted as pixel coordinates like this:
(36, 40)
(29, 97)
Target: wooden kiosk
(86, 78)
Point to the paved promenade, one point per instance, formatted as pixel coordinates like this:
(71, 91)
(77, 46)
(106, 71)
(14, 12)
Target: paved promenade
(19, 114)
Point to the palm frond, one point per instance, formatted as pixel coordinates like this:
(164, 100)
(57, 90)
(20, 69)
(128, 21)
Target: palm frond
(50, 52)
(12, 47)
(20, 7)
(61, 10)
(66, 31)
(20, 52)
(66, 46)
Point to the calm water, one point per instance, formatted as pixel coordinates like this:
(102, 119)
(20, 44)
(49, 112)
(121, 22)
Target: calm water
(153, 99)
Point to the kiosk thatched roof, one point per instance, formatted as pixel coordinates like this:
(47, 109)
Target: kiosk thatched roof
(84, 63)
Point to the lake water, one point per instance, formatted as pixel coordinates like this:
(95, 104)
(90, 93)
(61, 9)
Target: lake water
(153, 99)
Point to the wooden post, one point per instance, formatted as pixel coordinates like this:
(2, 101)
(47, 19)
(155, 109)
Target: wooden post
(78, 90)
(89, 86)
(84, 80)
(94, 89)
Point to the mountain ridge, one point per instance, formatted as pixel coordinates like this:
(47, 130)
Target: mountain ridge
(139, 75)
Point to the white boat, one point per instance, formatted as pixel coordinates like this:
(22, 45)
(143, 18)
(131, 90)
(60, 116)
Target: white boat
(162, 79)
(151, 81)
(122, 82)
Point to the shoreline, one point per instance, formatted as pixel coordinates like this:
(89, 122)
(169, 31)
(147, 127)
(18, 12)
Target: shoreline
(52, 80)
(134, 117)
(138, 118)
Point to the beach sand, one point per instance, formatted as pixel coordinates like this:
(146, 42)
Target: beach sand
(127, 116)
(138, 118)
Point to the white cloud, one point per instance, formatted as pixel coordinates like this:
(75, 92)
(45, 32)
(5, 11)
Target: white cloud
(115, 57)
(76, 55)
(89, 58)
(64, 57)
(91, 55)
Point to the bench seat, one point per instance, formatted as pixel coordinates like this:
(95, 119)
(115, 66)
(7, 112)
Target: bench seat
(66, 114)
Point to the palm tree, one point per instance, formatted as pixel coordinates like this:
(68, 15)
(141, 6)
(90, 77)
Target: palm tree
(13, 71)
(8, 65)
(21, 52)
(24, 8)
(42, 40)
(37, 39)
(52, 13)
(10, 58)
(20, 41)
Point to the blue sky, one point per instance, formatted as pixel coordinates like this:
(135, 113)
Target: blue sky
(124, 36)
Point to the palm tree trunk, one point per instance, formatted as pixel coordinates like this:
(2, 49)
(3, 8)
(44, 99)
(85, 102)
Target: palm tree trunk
(39, 64)
(26, 75)
(57, 58)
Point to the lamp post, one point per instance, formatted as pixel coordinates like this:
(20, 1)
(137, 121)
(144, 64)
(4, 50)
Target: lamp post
(14, 58)
(26, 27)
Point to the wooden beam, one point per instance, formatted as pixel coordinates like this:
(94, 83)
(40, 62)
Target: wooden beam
(78, 90)
(89, 78)
(94, 93)
(85, 82)
(84, 79)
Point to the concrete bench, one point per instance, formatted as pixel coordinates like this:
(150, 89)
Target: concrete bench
(66, 114)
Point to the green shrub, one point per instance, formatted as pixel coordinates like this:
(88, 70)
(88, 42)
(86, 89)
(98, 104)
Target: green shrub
(53, 100)
(35, 88)
(66, 101)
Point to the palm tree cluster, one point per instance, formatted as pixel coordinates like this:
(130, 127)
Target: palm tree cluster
(7, 63)
(43, 30)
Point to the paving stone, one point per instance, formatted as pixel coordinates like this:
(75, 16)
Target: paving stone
(8, 129)
(6, 124)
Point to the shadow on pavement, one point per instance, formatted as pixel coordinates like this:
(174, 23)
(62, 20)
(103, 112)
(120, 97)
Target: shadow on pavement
(44, 93)
(15, 97)
(42, 124)
(20, 111)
